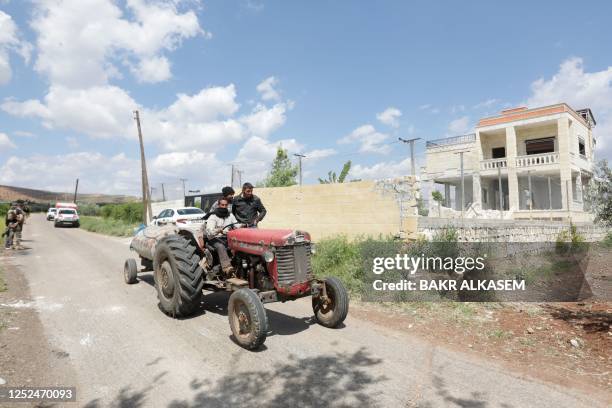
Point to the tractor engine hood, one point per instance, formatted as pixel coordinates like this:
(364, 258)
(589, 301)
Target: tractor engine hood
(258, 240)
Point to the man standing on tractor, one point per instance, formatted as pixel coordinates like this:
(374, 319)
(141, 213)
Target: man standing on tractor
(216, 230)
(247, 207)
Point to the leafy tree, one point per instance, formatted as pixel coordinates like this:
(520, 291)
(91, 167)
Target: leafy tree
(282, 173)
(437, 197)
(332, 178)
(598, 193)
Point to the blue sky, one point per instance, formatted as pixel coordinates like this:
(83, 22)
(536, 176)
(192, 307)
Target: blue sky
(221, 82)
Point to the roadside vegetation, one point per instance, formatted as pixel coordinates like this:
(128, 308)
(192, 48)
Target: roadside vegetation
(3, 286)
(111, 219)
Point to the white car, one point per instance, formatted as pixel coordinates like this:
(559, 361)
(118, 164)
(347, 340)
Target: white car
(182, 215)
(67, 216)
(51, 213)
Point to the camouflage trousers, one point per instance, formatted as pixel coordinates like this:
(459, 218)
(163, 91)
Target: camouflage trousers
(17, 237)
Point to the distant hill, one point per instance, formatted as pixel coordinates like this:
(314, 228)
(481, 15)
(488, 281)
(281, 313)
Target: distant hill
(10, 193)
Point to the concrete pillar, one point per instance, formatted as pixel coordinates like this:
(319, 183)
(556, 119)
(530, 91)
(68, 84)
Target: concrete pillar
(476, 192)
(513, 190)
(579, 189)
(447, 195)
(563, 141)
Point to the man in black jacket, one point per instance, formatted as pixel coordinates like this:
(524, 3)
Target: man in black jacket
(247, 207)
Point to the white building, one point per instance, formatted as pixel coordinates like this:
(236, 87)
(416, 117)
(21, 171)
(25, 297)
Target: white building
(531, 163)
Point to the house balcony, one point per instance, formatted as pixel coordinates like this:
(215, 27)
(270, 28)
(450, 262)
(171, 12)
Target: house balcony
(494, 164)
(536, 160)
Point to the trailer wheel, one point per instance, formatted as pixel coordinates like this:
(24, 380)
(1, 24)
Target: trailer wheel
(332, 311)
(178, 276)
(247, 319)
(130, 271)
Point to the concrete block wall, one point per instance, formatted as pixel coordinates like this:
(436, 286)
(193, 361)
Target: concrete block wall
(353, 209)
(508, 230)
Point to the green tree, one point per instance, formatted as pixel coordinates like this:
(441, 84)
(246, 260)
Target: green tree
(598, 193)
(282, 173)
(332, 178)
(437, 197)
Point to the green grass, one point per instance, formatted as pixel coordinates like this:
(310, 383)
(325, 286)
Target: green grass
(341, 258)
(107, 226)
(3, 286)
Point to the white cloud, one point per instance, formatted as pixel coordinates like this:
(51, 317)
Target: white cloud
(256, 155)
(80, 41)
(152, 70)
(10, 41)
(429, 108)
(381, 170)
(57, 173)
(369, 138)
(580, 89)
(22, 133)
(106, 112)
(178, 163)
(208, 104)
(263, 120)
(486, 104)
(318, 154)
(5, 142)
(459, 126)
(390, 117)
(267, 89)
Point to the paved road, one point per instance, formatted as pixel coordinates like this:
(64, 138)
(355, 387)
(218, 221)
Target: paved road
(125, 352)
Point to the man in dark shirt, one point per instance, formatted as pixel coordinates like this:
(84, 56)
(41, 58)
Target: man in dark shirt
(247, 207)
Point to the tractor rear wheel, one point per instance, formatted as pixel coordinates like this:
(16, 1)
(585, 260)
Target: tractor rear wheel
(178, 276)
(130, 271)
(331, 311)
(247, 319)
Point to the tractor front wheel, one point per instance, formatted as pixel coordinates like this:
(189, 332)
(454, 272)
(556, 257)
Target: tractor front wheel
(247, 319)
(331, 306)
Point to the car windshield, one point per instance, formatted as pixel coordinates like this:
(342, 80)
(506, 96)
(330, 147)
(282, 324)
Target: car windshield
(52, 210)
(67, 212)
(189, 211)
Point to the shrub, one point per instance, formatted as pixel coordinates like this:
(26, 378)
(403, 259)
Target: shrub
(129, 212)
(341, 258)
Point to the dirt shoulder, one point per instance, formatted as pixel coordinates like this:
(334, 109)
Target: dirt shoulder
(26, 358)
(569, 344)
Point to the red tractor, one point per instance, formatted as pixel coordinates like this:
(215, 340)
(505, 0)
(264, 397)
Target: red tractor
(269, 266)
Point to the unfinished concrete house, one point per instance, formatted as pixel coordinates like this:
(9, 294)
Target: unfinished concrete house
(523, 164)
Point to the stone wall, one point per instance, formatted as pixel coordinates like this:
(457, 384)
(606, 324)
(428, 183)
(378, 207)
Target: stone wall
(507, 230)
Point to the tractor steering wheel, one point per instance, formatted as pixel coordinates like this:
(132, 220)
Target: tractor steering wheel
(228, 226)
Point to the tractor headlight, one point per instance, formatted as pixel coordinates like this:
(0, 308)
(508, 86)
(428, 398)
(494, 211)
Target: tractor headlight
(268, 256)
(313, 249)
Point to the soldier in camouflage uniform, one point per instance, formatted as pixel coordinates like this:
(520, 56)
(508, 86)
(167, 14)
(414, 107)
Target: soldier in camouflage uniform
(20, 218)
(11, 223)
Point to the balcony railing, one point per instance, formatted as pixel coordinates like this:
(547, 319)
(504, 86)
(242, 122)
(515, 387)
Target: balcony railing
(492, 164)
(451, 141)
(537, 159)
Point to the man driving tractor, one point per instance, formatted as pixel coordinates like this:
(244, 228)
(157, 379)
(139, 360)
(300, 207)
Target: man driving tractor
(216, 230)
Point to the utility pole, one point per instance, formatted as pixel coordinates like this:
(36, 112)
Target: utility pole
(163, 192)
(240, 178)
(152, 189)
(183, 180)
(76, 189)
(299, 156)
(412, 163)
(146, 198)
(232, 179)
